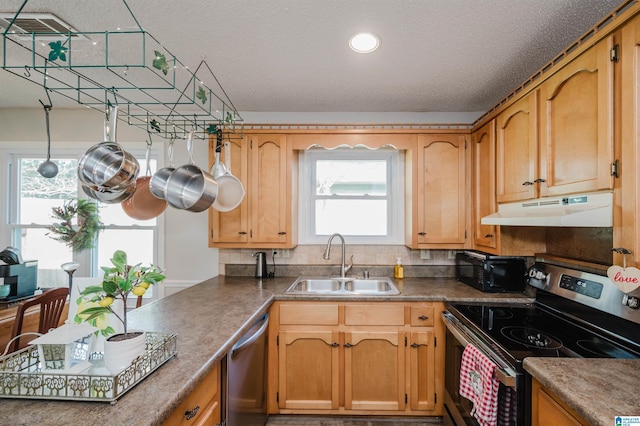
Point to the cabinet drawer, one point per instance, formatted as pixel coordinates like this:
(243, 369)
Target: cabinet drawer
(422, 316)
(309, 314)
(200, 403)
(380, 314)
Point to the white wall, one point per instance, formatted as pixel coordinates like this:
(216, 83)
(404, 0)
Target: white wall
(183, 251)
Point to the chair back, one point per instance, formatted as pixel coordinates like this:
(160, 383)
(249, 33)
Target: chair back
(51, 306)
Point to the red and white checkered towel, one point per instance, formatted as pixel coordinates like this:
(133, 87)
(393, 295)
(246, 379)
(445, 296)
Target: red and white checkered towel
(478, 384)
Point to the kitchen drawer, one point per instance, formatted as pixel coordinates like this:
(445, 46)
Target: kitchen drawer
(200, 405)
(309, 314)
(374, 314)
(421, 316)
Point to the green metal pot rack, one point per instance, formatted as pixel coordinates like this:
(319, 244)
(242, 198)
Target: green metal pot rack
(153, 89)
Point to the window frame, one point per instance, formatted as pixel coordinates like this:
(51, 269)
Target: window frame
(11, 155)
(395, 196)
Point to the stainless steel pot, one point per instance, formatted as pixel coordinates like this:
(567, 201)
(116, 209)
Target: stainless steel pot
(189, 187)
(107, 164)
(158, 182)
(109, 195)
(230, 189)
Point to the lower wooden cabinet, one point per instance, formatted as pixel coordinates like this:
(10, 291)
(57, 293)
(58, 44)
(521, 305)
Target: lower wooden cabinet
(548, 409)
(356, 358)
(202, 406)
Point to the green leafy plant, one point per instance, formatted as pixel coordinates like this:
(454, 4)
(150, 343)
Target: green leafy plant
(96, 302)
(81, 236)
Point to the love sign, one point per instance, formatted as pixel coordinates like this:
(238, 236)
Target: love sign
(626, 279)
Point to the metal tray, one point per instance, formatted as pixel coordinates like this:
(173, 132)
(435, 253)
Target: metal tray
(21, 376)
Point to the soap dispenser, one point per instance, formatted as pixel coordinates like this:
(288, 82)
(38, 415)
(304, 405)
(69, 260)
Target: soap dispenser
(398, 270)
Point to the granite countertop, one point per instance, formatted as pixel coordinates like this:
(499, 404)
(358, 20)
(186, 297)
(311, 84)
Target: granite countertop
(597, 389)
(208, 319)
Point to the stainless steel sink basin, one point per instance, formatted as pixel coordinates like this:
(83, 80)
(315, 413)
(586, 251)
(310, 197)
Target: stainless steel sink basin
(343, 286)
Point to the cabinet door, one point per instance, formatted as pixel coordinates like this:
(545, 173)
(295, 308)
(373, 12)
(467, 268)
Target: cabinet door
(576, 122)
(308, 369)
(270, 193)
(422, 366)
(547, 410)
(374, 370)
(232, 226)
(517, 151)
(626, 230)
(484, 185)
(441, 190)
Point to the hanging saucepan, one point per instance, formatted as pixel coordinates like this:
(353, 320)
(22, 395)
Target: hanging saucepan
(158, 182)
(143, 205)
(189, 187)
(230, 189)
(108, 195)
(107, 164)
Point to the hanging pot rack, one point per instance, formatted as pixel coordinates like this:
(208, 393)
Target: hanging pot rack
(153, 89)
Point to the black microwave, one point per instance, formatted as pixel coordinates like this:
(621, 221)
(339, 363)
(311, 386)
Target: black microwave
(491, 273)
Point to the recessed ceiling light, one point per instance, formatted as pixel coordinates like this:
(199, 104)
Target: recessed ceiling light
(364, 42)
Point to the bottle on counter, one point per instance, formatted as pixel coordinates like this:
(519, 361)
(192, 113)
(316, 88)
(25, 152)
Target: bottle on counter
(398, 270)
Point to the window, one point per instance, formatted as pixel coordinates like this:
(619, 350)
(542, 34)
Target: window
(356, 192)
(31, 198)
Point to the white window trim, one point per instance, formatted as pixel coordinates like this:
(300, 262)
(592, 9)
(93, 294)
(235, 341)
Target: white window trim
(306, 211)
(8, 179)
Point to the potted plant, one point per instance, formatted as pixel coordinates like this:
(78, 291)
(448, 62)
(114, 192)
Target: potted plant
(97, 302)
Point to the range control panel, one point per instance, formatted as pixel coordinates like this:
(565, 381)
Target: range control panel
(578, 285)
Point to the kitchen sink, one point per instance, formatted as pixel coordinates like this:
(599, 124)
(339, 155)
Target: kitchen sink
(343, 286)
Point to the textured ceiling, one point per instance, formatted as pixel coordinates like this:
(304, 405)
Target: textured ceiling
(293, 56)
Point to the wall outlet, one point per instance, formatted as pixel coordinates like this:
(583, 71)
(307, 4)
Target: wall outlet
(425, 254)
(284, 253)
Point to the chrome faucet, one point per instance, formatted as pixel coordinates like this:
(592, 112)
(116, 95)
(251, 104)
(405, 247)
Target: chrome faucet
(325, 256)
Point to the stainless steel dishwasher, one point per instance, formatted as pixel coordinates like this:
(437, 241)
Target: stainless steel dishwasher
(247, 377)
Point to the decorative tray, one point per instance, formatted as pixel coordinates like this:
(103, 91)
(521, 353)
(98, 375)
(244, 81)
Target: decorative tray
(22, 377)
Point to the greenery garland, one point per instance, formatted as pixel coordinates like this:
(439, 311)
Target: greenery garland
(83, 235)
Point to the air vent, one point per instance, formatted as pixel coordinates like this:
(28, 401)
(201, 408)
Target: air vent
(43, 26)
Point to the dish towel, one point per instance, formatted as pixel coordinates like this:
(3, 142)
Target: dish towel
(477, 384)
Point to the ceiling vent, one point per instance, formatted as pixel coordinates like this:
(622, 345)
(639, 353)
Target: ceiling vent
(45, 26)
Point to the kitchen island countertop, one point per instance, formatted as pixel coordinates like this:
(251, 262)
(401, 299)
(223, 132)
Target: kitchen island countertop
(598, 389)
(208, 319)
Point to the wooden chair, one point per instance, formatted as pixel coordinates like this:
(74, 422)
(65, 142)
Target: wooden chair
(51, 303)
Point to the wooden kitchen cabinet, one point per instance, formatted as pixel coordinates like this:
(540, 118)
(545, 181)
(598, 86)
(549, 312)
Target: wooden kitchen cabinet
(576, 124)
(356, 358)
(202, 406)
(438, 195)
(626, 229)
(548, 409)
(266, 166)
(517, 150)
(483, 142)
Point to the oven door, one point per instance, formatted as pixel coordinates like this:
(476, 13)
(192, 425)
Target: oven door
(510, 395)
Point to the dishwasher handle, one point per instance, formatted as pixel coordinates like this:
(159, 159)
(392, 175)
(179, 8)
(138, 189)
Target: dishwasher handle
(242, 345)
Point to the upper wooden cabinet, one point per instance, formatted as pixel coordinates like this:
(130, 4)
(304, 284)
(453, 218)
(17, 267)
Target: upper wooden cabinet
(576, 124)
(558, 139)
(437, 210)
(483, 143)
(266, 167)
(517, 150)
(626, 230)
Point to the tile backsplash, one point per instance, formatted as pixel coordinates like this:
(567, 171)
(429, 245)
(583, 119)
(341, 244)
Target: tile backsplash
(307, 259)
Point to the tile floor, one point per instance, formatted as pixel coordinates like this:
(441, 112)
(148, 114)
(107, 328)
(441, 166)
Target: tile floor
(356, 421)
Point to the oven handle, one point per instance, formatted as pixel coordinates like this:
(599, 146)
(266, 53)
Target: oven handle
(503, 372)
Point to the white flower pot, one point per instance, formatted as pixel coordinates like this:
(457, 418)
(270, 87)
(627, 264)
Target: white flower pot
(118, 354)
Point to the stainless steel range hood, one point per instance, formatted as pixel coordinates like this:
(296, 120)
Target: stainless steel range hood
(582, 210)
